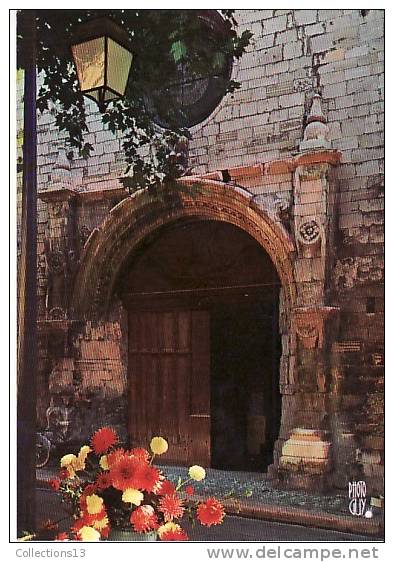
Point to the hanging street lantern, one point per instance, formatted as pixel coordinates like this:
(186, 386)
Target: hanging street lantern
(103, 60)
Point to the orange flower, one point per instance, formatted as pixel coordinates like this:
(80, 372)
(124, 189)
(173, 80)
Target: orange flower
(104, 439)
(210, 512)
(124, 473)
(171, 507)
(174, 535)
(144, 519)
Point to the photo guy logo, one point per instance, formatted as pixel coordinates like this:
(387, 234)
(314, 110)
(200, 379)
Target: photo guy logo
(357, 498)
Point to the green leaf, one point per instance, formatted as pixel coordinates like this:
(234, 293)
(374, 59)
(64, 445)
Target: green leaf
(86, 150)
(178, 50)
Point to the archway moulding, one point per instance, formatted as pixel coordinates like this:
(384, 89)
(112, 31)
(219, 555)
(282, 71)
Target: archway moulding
(138, 216)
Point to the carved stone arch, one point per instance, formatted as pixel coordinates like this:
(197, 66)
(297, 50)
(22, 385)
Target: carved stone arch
(136, 217)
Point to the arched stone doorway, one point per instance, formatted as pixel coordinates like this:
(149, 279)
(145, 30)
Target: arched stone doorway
(135, 220)
(203, 303)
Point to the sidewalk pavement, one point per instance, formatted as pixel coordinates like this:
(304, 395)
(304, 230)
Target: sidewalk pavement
(252, 495)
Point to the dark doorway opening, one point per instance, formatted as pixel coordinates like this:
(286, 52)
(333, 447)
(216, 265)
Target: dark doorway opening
(245, 396)
(204, 345)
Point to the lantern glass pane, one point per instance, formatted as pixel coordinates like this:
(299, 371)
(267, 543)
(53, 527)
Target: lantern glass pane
(89, 59)
(119, 63)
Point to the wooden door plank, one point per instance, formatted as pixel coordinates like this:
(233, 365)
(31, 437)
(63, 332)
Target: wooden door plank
(199, 417)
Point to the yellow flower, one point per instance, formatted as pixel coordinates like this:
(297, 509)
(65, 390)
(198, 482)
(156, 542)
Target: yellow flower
(170, 526)
(70, 471)
(104, 462)
(94, 504)
(158, 445)
(79, 463)
(67, 460)
(197, 473)
(83, 452)
(27, 538)
(89, 534)
(132, 496)
(100, 524)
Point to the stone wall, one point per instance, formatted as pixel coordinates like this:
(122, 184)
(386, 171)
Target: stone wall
(338, 53)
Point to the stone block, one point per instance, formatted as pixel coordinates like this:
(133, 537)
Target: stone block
(370, 457)
(305, 17)
(277, 68)
(292, 50)
(285, 37)
(292, 100)
(374, 471)
(97, 350)
(306, 447)
(334, 90)
(321, 43)
(273, 25)
(268, 56)
(61, 377)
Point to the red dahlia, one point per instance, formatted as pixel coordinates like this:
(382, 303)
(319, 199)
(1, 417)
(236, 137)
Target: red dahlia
(104, 439)
(103, 481)
(55, 484)
(175, 535)
(148, 477)
(125, 473)
(171, 507)
(139, 453)
(210, 512)
(144, 519)
(115, 456)
(166, 488)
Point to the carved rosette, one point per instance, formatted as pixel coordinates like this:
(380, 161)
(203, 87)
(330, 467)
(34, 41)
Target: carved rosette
(309, 236)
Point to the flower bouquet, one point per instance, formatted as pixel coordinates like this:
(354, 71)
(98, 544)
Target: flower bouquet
(110, 489)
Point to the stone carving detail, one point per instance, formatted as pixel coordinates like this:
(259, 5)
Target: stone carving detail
(310, 323)
(99, 300)
(56, 313)
(309, 237)
(61, 267)
(353, 271)
(316, 131)
(303, 84)
(309, 231)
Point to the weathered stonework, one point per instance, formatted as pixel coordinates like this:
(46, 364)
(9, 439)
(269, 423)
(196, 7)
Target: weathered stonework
(303, 175)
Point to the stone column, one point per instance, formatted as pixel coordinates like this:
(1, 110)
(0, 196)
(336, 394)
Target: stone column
(306, 456)
(61, 251)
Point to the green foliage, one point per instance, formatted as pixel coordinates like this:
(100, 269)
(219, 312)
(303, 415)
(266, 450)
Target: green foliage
(160, 41)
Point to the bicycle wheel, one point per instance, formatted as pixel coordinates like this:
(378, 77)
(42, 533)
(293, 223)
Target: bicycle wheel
(43, 448)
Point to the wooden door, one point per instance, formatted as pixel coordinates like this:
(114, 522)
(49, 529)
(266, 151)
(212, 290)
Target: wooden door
(169, 382)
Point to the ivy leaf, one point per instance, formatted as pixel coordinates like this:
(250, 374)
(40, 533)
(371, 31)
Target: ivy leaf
(86, 150)
(178, 50)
